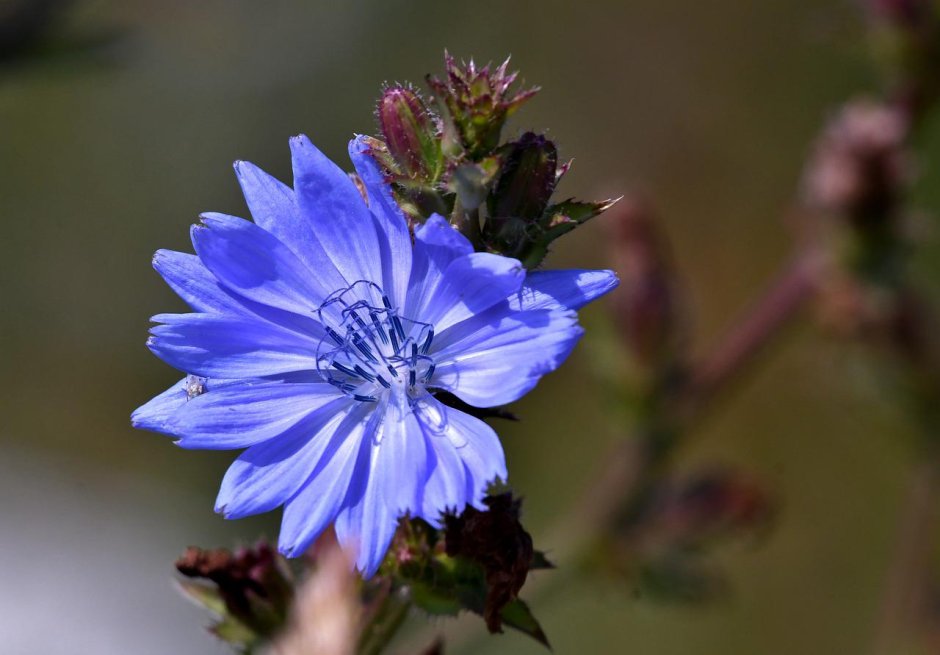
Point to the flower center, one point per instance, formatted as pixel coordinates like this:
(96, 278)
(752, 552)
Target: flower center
(369, 349)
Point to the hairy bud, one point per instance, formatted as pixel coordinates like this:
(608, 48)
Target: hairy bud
(479, 101)
(411, 132)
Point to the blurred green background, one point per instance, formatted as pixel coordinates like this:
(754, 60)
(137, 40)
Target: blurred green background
(122, 129)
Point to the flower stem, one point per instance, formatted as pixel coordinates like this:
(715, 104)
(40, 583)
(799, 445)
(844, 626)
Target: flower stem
(384, 623)
(906, 585)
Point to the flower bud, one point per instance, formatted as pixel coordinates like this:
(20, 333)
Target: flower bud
(252, 590)
(479, 101)
(411, 132)
(526, 180)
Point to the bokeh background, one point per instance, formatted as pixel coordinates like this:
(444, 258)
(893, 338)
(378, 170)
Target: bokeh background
(120, 127)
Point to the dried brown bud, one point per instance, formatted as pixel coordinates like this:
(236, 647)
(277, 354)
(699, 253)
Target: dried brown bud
(496, 540)
(254, 583)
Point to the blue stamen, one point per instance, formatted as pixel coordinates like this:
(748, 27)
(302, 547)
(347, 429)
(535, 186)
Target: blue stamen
(429, 373)
(395, 345)
(335, 336)
(391, 369)
(378, 327)
(411, 377)
(361, 323)
(414, 354)
(383, 382)
(363, 373)
(346, 370)
(364, 348)
(365, 399)
(398, 328)
(427, 341)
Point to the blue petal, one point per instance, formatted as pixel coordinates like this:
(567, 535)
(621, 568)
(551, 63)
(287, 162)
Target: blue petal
(274, 208)
(437, 244)
(570, 289)
(366, 528)
(320, 500)
(339, 215)
(270, 201)
(446, 486)
(470, 285)
(256, 265)
(192, 281)
(270, 473)
(230, 346)
(498, 356)
(400, 458)
(245, 414)
(153, 414)
(480, 459)
(395, 240)
(158, 412)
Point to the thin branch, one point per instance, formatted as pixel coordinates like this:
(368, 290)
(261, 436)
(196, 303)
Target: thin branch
(906, 586)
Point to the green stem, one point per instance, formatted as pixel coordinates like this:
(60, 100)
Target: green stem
(384, 625)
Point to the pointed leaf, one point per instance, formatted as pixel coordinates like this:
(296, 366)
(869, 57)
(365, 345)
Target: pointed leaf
(518, 616)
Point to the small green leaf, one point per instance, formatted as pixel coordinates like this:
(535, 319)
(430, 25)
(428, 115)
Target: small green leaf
(234, 632)
(203, 595)
(518, 616)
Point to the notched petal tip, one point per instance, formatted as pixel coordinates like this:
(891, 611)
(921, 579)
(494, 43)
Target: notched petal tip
(300, 141)
(159, 258)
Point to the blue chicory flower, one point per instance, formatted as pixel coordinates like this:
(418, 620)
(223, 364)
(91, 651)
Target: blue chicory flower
(318, 337)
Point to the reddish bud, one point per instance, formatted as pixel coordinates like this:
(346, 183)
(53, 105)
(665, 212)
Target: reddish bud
(411, 132)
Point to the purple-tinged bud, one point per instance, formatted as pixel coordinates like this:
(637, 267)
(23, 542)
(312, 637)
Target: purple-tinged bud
(411, 132)
(526, 180)
(479, 101)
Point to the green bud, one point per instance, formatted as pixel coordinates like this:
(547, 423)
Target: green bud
(479, 101)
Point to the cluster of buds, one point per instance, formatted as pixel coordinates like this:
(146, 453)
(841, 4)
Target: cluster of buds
(452, 162)
(477, 562)
(249, 591)
(661, 543)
